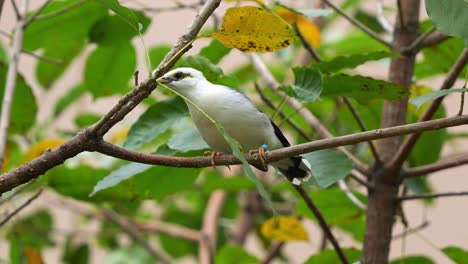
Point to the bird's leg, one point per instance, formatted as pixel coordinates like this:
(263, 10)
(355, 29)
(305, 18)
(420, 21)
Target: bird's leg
(213, 155)
(260, 153)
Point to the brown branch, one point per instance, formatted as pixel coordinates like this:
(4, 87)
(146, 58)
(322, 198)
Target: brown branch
(306, 44)
(405, 150)
(358, 24)
(132, 231)
(246, 218)
(323, 224)
(16, 9)
(411, 231)
(42, 57)
(10, 83)
(84, 140)
(415, 45)
(207, 246)
(433, 40)
(174, 230)
(1, 7)
(21, 207)
(430, 195)
(273, 252)
(34, 16)
(442, 164)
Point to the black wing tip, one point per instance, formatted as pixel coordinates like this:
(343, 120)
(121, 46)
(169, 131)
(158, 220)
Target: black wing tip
(295, 171)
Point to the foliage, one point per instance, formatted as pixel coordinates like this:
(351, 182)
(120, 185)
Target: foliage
(102, 43)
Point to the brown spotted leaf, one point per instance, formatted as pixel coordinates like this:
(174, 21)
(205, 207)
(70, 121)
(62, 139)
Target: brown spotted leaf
(252, 29)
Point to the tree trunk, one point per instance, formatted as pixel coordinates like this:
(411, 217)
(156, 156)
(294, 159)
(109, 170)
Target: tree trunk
(382, 204)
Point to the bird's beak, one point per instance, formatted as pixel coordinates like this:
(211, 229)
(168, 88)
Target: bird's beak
(164, 80)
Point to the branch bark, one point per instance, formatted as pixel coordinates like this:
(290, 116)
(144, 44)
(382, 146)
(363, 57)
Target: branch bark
(442, 164)
(209, 230)
(430, 195)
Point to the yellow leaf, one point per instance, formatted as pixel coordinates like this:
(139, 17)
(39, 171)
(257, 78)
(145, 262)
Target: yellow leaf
(6, 157)
(33, 256)
(252, 29)
(284, 228)
(418, 90)
(42, 146)
(260, 2)
(119, 136)
(308, 30)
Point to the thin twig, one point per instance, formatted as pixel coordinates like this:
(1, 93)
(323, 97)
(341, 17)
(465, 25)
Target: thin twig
(209, 231)
(442, 164)
(246, 218)
(132, 231)
(400, 14)
(323, 224)
(15, 8)
(274, 250)
(21, 207)
(358, 24)
(135, 76)
(410, 231)
(414, 46)
(178, 6)
(382, 19)
(10, 83)
(433, 40)
(42, 57)
(342, 185)
(462, 99)
(362, 127)
(34, 16)
(405, 150)
(60, 11)
(306, 44)
(431, 195)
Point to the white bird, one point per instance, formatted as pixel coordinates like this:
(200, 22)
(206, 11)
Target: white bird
(237, 114)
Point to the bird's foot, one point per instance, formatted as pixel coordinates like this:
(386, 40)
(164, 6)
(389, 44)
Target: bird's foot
(260, 154)
(213, 155)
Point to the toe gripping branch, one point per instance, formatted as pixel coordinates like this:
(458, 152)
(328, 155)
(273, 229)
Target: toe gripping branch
(260, 154)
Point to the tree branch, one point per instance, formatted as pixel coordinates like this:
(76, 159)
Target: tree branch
(10, 83)
(433, 40)
(323, 224)
(21, 207)
(34, 16)
(358, 24)
(246, 218)
(132, 231)
(274, 250)
(415, 45)
(405, 150)
(442, 164)
(430, 195)
(209, 230)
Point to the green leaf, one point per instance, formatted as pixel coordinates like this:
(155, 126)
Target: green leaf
(68, 98)
(132, 254)
(109, 69)
(117, 176)
(231, 254)
(329, 166)
(413, 260)
(329, 256)
(62, 37)
(112, 29)
(78, 182)
(307, 84)
(157, 182)
(156, 120)
(420, 100)
(456, 254)
(124, 13)
(215, 51)
(24, 106)
(158, 53)
(187, 140)
(361, 88)
(337, 210)
(75, 254)
(86, 119)
(356, 42)
(351, 61)
(450, 17)
(212, 72)
(369, 20)
(214, 182)
(35, 231)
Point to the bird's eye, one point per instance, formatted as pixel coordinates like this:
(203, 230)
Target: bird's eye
(179, 75)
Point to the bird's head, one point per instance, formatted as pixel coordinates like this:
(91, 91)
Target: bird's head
(182, 78)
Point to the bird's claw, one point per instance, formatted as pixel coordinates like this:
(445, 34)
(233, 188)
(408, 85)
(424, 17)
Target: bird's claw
(213, 155)
(260, 154)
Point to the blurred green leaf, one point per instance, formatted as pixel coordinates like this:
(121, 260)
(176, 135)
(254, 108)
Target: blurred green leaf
(109, 69)
(157, 182)
(338, 210)
(329, 256)
(62, 36)
(356, 42)
(134, 254)
(187, 140)
(329, 166)
(75, 254)
(24, 106)
(132, 18)
(112, 29)
(420, 100)
(158, 53)
(369, 20)
(32, 231)
(449, 16)
(211, 71)
(307, 84)
(117, 176)
(68, 98)
(78, 183)
(156, 120)
(351, 61)
(413, 260)
(215, 51)
(361, 88)
(456, 254)
(231, 254)
(214, 182)
(86, 119)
